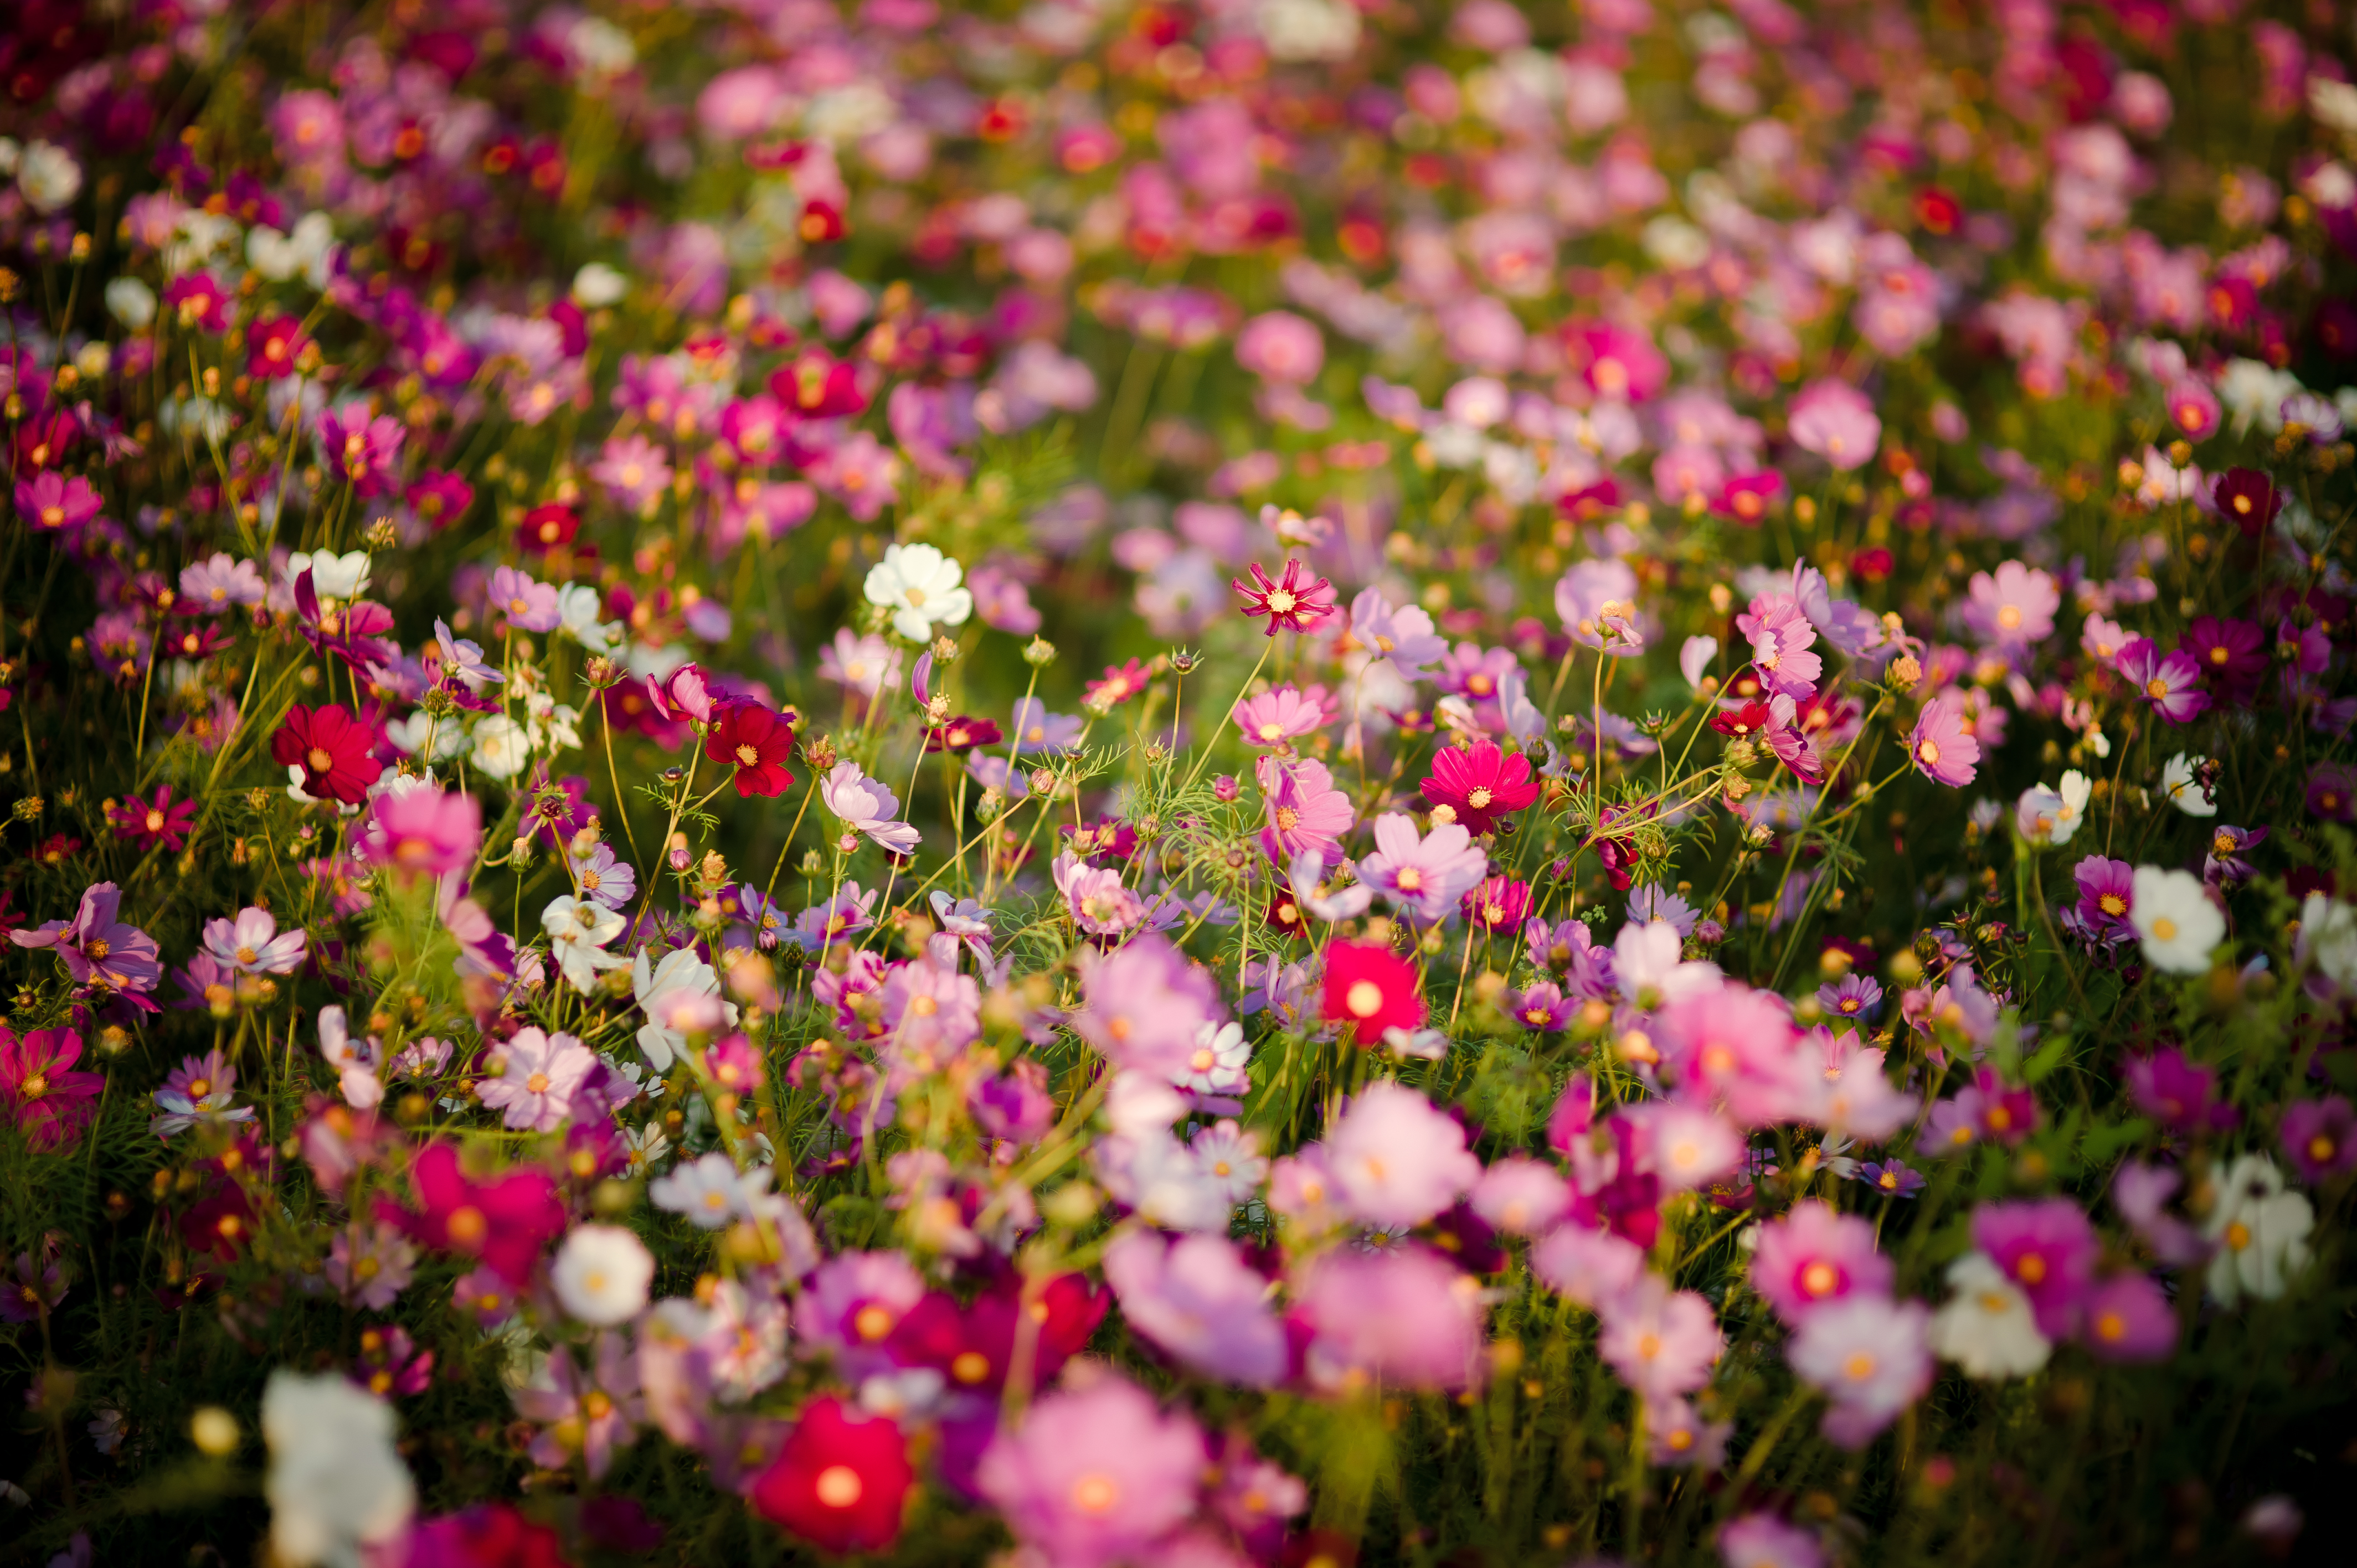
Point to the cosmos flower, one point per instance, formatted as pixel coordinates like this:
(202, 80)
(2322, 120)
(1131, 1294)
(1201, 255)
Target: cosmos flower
(1290, 602)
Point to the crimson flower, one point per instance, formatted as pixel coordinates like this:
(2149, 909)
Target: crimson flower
(1747, 720)
(961, 734)
(504, 1223)
(147, 822)
(756, 742)
(1478, 785)
(1121, 683)
(50, 1104)
(273, 343)
(973, 1346)
(334, 750)
(2249, 498)
(1286, 601)
(838, 1482)
(545, 527)
(1372, 988)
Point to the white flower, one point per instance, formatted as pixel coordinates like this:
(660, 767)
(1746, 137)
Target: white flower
(306, 251)
(661, 989)
(645, 1146)
(1986, 1327)
(1229, 1159)
(577, 610)
(2176, 783)
(601, 1274)
(923, 588)
(1674, 243)
(579, 931)
(2174, 916)
(1217, 1065)
(333, 577)
(598, 285)
(2255, 392)
(411, 733)
(2333, 103)
(867, 806)
(603, 49)
(1309, 29)
(711, 1191)
(356, 1065)
(2260, 1231)
(130, 301)
(2074, 791)
(2328, 934)
(336, 1485)
(551, 726)
(502, 747)
(48, 176)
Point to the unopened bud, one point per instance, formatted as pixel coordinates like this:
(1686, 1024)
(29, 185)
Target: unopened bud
(1038, 653)
(1224, 788)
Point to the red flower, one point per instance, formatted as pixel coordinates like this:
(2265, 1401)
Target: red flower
(333, 749)
(1372, 988)
(1747, 720)
(757, 743)
(273, 345)
(50, 1104)
(504, 1223)
(973, 1346)
(838, 1483)
(1478, 787)
(490, 1535)
(547, 527)
(1121, 683)
(1288, 601)
(2249, 498)
(961, 734)
(146, 823)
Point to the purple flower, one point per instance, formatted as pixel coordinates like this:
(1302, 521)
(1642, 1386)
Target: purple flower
(1943, 749)
(2174, 1091)
(1893, 1178)
(2106, 896)
(1543, 1009)
(2141, 1193)
(1198, 1301)
(528, 606)
(2333, 792)
(370, 1262)
(40, 1284)
(213, 586)
(2047, 1248)
(98, 948)
(1763, 1541)
(250, 943)
(1143, 1005)
(2170, 682)
(1098, 902)
(2320, 1136)
(543, 1074)
(199, 1089)
(1857, 997)
(589, 1414)
(1423, 877)
(2128, 1318)
(1835, 420)
(1094, 1475)
(1402, 1317)
(2225, 865)
(1597, 601)
(1982, 1111)
(463, 659)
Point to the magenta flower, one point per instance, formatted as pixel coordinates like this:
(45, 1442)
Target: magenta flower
(1307, 815)
(2331, 792)
(2174, 1091)
(2106, 896)
(1424, 877)
(149, 824)
(426, 831)
(1199, 1302)
(1983, 1110)
(1941, 747)
(527, 605)
(1814, 1257)
(2046, 1247)
(50, 1103)
(360, 449)
(2128, 1318)
(1835, 420)
(1402, 1317)
(2172, 682)
(543, 1074)
(1498, 904)
(50, 502)
(2321, 1137)
(850, 1305)
(1092, 1476)
(1543, 1009)
(1867, 1352)
(1291, 603)
(98, 948)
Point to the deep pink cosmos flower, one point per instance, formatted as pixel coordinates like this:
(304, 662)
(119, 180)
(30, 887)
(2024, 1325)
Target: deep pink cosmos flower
(50, 502)
(1942, 749)
(146, 823)
(423, 830)
(2106, 896)
(503, 1222)
(1290, 602)
(1477, 785)
(1498, 904)
(50, 1103)
(1372, 989)
(2231, 654)
(1307, 815)
(2047, 1247)
(1815, 1256)
(2174, 1091)
(362, 448)
(2128, 1318)
(840, 1482)
(1092, 1476)
(2170, 682)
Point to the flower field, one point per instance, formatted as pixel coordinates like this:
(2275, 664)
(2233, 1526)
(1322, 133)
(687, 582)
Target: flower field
(1177, 785)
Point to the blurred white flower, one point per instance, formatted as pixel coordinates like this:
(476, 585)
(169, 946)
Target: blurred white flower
(336, 1485)
(602, 1275)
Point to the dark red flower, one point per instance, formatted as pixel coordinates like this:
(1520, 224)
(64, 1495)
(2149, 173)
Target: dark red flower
(2247, 496)
(838, 1483)
(1290, 602)
(2232, 654)
(545, 527)
(504, 1223)
(1478, 785)
(961, 734)
(334, 750)
(757, 743)
(1747, 720)
(1373, 989)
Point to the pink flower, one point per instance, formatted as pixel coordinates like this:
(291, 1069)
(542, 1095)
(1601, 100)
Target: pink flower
(1143, 1004)
(362, 448)
(99, 949)
(1763, 1541)
(1835, 420)
(1423, 877)
(1815, 1257)
(589, 1413)
(1590, 1267)
(1273, 718)
(633, 471)
(252, 943)
(543, 1074)
(1098, 902)
(1941, 747)
(2129, 1318)
(1092, 1476)
(1307, 815)
(2172, 682)
(1780, 640)
(1521, 1195)
(2194, 407)
(1868, 1353)
(2046, 1247)
(1405, 1318)
(423, 830)
(51, 1104)
(1662, 1342)
(2014, 608)
(50, 502)
(2321, 1137)
(1278, 345)
(1398, 1158)
(527, 605)
(1198, 1301)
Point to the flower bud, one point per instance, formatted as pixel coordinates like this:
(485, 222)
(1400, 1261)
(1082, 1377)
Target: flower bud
(1225, 789)
(1038, 653)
